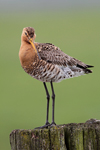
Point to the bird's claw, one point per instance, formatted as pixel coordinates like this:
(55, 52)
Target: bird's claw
(46, 125)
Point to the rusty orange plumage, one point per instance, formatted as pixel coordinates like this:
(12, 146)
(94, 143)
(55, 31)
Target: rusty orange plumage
(47, 63)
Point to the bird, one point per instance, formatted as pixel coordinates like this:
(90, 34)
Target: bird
(47, 63)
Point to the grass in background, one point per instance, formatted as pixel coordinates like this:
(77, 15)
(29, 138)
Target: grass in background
(22, 98)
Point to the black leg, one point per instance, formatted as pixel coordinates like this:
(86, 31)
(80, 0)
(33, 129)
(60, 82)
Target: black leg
(47, 115)
(53, 103)
(48, 98)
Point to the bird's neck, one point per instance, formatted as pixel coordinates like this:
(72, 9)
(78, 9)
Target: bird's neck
(27, 53)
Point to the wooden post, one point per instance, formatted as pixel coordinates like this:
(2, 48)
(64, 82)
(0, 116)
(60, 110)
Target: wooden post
(82, 136)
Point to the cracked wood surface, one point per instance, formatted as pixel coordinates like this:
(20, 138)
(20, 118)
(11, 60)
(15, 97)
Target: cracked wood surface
(81, 136)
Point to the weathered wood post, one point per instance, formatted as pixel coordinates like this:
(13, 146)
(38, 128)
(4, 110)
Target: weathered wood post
(82, 136)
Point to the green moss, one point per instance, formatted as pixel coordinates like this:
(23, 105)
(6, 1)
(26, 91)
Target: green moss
(90, 139)
(57, 135)
(25, 136)
(63, 137)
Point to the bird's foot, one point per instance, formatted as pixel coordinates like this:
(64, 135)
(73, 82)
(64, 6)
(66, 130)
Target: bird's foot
(52, 124)
(45, 126)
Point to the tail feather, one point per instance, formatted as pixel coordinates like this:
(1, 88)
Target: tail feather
(85, 68)
(87, 71)
(89, 66)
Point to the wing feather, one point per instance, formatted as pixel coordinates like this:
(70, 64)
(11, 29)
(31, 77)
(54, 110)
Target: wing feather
(52, 54)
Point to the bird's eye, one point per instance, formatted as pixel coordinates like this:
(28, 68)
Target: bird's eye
(26, 33)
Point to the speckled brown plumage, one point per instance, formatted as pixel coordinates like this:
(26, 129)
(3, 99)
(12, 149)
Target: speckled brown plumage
(54, 55)
(47, 63)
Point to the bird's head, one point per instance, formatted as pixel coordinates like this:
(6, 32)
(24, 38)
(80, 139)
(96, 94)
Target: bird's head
(28, 34)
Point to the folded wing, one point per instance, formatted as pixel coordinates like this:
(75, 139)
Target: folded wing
(52, 54)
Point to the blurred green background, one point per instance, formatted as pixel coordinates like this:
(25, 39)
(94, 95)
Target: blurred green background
(76, 30)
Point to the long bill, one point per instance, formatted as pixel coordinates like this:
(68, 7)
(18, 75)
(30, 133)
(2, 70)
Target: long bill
(33, 45)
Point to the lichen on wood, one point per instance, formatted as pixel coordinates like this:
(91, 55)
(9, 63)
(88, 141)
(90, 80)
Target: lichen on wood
(82, 136)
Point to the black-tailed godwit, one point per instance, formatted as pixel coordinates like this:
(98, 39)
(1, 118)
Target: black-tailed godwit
(47, 63)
